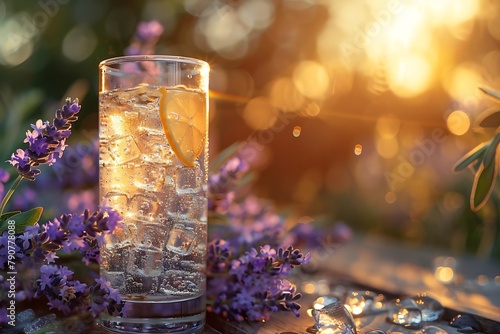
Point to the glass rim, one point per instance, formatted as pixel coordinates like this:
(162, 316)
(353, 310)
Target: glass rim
(160, 58)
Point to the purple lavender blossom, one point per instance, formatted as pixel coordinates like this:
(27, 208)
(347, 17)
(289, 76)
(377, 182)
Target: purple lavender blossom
(253, 287)
(221, 184)
(104, 298)
(68, 232)
(63, 293)
(81, 232)
(46, 142)
(146, 36)
(149, 31)
(144, 43)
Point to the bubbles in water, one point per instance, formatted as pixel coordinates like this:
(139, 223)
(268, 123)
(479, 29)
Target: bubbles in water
(116, 200)
(180, 240)
(143, 205)
(152, 236)
(123, 149)
(188, 180)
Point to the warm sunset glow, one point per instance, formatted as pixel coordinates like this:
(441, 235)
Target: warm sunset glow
(410, 75)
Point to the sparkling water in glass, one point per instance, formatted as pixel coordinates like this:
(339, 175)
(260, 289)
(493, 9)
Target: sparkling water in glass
(153, 156)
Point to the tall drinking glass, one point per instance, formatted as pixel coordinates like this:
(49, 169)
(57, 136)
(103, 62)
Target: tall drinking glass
(153, 156)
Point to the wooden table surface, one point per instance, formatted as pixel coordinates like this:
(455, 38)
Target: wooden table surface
(401, 270)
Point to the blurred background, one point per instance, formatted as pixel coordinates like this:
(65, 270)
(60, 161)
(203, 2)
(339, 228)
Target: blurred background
(357, 110)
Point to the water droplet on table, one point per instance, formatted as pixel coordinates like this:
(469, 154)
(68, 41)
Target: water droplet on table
(406, 313)
(430, 308)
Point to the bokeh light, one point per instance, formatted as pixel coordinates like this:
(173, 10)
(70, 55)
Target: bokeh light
(458, 122)
(410, 75)
(311, 79)
(259, 113)
(79, 43)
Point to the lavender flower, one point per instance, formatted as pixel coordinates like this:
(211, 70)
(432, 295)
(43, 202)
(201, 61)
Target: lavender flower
(252, 286)
(146, 36)
(70, 232)
(63, 293)
(46, 142)
(104, 297)
(221, 185)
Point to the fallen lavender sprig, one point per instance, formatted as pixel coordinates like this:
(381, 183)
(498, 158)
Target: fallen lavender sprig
(252, 286)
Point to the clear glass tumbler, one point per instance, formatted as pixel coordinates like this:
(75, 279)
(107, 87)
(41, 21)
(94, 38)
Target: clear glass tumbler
(153, 164)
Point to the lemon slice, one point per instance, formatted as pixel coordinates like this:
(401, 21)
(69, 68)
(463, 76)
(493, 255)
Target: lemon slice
(183, 116)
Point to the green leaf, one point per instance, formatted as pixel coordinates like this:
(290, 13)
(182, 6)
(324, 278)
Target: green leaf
(484, 182)
(490, 93)
(489, 118)
(490, 153)
(224, 156)
(471, 156)
(7, 215)
(23, 219)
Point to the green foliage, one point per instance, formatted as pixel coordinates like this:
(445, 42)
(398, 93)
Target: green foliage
(483, 159)
(21, 219)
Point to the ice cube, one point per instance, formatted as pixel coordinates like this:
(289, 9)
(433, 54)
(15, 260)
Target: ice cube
(150, 120)
(154, 147)
(188, 180)
(152, 236)
(150, 177)
(320, 302)
(146, 262)
(406, 313)
(116, 259)
(116, 200)
(144, 205)
(364, 302)
(117, 177)
(178, 205)
(180, 240)
(39, 323)
(26, 316)
(335, 318)
(123, 149)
